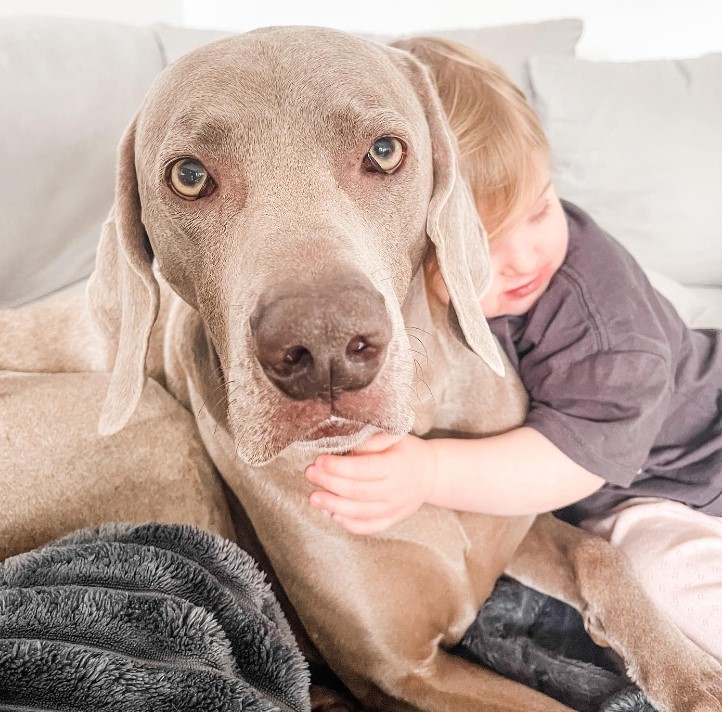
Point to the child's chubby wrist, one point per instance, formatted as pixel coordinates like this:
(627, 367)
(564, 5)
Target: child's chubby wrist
(433, 468)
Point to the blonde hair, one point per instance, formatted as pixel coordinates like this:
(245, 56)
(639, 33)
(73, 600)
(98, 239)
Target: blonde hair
(501, 144)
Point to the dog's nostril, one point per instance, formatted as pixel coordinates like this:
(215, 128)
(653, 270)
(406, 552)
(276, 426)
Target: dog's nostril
(294, 355)
(293, 361)
(315, 342)
(360, 348)
(356, 345)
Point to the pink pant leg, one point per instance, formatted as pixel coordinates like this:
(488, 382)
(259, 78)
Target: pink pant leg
(677, 554)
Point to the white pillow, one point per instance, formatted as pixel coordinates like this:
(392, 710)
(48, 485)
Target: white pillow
(638, 145)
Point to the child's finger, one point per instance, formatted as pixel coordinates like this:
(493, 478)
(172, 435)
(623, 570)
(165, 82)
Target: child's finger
(377, 443)
(358, 489)
(357, 468)
(344, 507)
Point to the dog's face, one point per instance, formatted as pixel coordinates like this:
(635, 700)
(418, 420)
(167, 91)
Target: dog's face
(287, 182)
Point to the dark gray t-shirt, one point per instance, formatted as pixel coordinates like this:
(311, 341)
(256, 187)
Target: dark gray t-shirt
(617, 381)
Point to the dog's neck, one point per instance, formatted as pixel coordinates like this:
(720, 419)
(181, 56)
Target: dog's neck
(435, 347)
(474, 401)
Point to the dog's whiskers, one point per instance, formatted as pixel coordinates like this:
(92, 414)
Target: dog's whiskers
(417, 328)
(417, 416)
(220, 400)
(383, 279)
(426, 353)
(417, 366)
(218, 368)
(416, 395)
(433, 400)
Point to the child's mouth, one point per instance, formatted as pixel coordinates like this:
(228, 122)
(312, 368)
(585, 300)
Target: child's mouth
(527, 288)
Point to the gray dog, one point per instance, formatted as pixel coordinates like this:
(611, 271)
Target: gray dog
(288, 183)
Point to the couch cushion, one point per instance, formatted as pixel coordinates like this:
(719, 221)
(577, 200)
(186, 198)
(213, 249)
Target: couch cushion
(699, 307)
(69, 88)
(639, 146)
(508, 45)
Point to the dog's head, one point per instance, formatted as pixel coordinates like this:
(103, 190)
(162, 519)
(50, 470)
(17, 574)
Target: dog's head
(287, 182)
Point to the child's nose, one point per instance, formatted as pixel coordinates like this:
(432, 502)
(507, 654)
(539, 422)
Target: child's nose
(522, 259)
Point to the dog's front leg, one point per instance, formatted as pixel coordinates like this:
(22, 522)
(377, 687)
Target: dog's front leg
(588, 573)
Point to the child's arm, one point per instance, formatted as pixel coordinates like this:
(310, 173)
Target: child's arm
(518, 472)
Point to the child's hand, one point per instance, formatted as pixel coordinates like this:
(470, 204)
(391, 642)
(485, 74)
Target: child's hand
(376, 485)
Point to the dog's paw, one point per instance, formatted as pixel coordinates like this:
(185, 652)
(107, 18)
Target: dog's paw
(708, 698)
(694, 686)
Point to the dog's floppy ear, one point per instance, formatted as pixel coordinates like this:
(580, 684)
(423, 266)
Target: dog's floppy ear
(123, 294)
(453, 225)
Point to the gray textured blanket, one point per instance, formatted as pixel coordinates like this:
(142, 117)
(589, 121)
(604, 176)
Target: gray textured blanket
(151, 617)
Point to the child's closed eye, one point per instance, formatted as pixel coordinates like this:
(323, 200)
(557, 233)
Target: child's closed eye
(540, 214)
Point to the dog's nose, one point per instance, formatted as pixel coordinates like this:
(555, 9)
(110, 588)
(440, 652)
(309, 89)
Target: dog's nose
(315, 341)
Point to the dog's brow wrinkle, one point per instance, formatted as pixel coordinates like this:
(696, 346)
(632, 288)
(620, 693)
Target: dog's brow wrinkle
(199, 133)
(364, 122)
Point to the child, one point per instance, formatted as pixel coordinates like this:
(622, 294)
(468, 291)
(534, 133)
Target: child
(624, 430)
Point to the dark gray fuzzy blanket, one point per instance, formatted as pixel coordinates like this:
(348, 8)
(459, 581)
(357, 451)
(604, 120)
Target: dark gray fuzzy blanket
(151, 617)
(541, 642)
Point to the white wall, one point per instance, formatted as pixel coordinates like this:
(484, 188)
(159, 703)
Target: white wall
(614, 29)
(135, 12)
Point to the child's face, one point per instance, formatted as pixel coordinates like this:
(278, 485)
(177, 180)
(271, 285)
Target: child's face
(526, 257)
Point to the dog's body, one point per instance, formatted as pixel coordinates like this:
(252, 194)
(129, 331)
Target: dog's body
(282, 119)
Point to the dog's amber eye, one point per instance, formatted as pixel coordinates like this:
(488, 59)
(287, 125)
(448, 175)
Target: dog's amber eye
(189, 179)
(385, 156)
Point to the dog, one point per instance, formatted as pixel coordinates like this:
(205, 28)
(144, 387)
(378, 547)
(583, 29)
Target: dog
(287, 184)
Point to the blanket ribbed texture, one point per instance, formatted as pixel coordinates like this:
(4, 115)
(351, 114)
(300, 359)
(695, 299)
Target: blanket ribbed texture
(152, 617)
